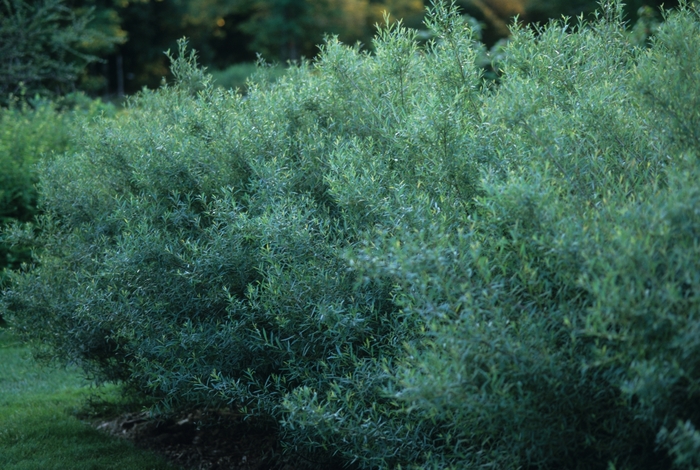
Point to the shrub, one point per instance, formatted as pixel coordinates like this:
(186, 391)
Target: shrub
(29, 131)
(237, 76)
(25, 134)
(561, 317)
(393, 261)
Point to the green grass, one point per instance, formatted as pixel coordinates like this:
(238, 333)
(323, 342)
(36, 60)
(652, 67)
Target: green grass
(39, 427)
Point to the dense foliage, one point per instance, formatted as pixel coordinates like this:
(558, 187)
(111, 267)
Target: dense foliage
(29, 131)
(130, 36)
(394, 261)
(45, 47)
(239, 76)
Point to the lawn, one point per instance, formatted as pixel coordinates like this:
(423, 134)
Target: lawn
(39, 424)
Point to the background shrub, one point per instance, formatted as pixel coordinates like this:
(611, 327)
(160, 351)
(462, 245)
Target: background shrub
(25, 134)
(394, 261)
(29, 131)
(237, 76)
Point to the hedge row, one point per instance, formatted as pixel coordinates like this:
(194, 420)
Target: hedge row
(394, 261)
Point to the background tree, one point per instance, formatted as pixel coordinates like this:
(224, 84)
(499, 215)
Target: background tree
(46, 45)
(225, 32)
(288, 29)
(496, 15)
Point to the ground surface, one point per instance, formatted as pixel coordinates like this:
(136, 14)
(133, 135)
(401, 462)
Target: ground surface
(53, 405)
(206, 441)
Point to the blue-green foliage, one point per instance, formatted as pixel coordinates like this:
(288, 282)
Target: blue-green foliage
(392, 260)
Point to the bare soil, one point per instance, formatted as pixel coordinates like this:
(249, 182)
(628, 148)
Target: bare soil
(207, 441)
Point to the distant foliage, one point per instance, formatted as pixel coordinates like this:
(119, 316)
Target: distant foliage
(292, 29)
(30, 131)
(241, 76)
(398, 263)
(226, 32)
(25, 134)
(44, 47)
(496, 16)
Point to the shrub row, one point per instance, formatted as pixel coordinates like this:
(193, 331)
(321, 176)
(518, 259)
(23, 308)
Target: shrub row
(394, 261)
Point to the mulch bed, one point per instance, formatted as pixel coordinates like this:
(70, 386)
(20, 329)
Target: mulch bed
(200, 440)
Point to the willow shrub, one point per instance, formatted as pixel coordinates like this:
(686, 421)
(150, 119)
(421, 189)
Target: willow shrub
(394, 262)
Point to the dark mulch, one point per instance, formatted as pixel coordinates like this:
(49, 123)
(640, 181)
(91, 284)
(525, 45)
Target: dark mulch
(208, 441)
